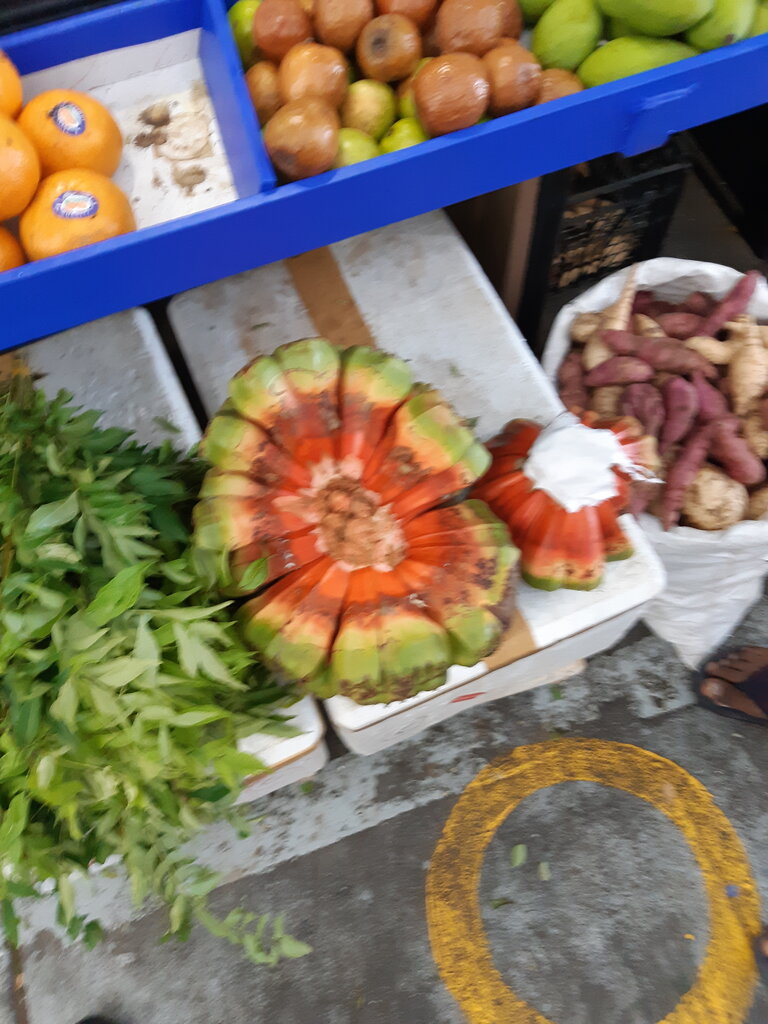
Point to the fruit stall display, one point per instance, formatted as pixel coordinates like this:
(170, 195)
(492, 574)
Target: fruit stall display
(336, 82)
(196, 167)
(452, 332)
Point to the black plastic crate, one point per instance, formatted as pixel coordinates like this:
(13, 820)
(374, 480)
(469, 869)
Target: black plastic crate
(617, 214)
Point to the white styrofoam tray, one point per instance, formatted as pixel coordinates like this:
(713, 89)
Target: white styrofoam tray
(161, 180)
(423, 296)
(119, 364)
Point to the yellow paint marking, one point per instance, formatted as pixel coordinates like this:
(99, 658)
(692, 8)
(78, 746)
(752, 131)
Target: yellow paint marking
(724, 987)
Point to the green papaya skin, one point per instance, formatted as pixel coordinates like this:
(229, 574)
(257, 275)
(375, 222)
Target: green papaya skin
(567, 33)
(729, 22)
(630, 55)
(760, 24)
(658, 17)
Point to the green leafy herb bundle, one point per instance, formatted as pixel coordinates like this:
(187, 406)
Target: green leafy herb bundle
(123, 685)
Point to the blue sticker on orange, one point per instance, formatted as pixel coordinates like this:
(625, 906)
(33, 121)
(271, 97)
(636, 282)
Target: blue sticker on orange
(68, 118)
(74, 205)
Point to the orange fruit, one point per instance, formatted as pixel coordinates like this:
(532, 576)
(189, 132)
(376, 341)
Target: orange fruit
(10, 87)
(11, 254)
(71, 129)
(19, 169)
(72, 209)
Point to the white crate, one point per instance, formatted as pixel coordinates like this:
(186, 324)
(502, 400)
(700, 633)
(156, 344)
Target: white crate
(119, 364)
(420, 293)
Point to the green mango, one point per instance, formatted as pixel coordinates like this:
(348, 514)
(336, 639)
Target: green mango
(760, 24)
(629, 56)
(533, 9)
(616, 27)
(730, 21)
(567, 33)
(657, 17)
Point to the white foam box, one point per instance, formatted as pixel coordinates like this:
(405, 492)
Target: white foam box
(119, 364)
(415, 289)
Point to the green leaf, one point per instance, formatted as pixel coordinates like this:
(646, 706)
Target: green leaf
(202, 716)
(518, 855)
(14, 820)
(165, 424)
(293, 948)
(66, 897)
(121, 593)
(500, 902)
(254, 576)
(66, 704)
(46, 769)
(557, 691)
(92, 934)
(544, 873)
(57, 513)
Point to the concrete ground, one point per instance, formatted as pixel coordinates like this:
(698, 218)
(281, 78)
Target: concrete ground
(614, 937)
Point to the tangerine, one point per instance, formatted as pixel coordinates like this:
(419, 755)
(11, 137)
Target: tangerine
(19, 169)
(71, 209)
(72, 129)
(11, 253)
(10, 87)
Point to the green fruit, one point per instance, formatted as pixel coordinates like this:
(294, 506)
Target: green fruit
(369, 106)
(730, 21)
(616, 28)
(354, 147)
(657, 17)
(405, 102)
(241, 23)
(760, 24)
(403, 133)
(533, 9)
(567, 33)
(629, 56)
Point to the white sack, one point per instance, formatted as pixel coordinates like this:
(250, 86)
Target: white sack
(713, 577)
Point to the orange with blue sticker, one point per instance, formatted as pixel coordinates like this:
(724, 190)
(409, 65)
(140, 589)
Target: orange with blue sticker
(68, 118)
(74, 205)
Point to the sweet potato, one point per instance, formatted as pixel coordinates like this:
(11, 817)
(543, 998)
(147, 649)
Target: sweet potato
(734, 454)
(698, 303)
(570, 378)
(643, 299)
(681, 325)
(758, 504)
(748, 369)
(619, 370)
(681, 406)
(606, 401)
(614, 317)
(714, 501)
(682, 474)
(712, 403)
(755, 431)
(661, 354)
(734, 303)
(719, 353)
(584, 326)
(645, 403)
(646, 327)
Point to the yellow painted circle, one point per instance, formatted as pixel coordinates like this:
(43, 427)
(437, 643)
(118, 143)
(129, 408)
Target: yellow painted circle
(724, 987)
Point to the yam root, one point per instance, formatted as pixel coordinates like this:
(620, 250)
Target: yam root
(663, 354)
(714, 501)
(698, 303)
(619, 370)
(570, 378)
(713, 404)
(646, 327)
(733, 453)
(681, 325)
(682, 474)
(748, 369)
(645, 403)
(719, 353)
(681, 406)
(734, 304)
(584, 326)
(758, 504)
(756, 431)
(606, 401)
(616, 318)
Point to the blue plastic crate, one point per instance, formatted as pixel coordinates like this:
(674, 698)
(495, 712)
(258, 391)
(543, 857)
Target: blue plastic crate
(268, 223)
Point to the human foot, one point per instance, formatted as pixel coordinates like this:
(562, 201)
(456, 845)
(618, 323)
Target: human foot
(737, 685)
